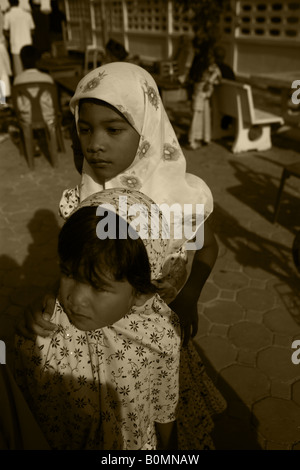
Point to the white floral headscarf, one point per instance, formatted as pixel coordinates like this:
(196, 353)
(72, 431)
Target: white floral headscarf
(149, 223)
(159, 167)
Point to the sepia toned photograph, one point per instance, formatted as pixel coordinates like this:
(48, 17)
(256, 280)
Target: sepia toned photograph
(150, 228)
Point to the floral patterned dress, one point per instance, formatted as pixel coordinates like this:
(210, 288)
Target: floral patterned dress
(103, 389)
(199, 399)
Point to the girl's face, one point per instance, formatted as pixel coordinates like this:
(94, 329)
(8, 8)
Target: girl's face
(109, 143)
(89, 308)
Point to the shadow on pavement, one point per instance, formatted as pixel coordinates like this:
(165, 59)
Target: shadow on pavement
(257, 251)
(33, 278)
(259, 191)
(235, 428)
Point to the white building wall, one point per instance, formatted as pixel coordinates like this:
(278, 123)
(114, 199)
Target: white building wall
(259, 35)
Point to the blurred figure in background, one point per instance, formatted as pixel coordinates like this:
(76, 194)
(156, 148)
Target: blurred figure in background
(204, 74)
(5, 67)
(32, 76)
(41, 10)
(29, 57)
(4, 5)
(25, 5)
(115, 51)
(18, 27)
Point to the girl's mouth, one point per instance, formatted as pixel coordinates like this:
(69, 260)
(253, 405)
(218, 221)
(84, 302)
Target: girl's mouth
(78, 315)
(70, 312)
(74, 313)
(99, 163)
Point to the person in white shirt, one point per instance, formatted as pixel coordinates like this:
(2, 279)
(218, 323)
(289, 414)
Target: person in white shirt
(5, 66)
(25, 5)
(33, 77)
(18, 26)
(29, 57)
(4, 5)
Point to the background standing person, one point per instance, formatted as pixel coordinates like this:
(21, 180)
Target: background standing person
(205, 74)
(4, 5)
(25, 5)
(5, 66)
(19, 27)
(41, 10)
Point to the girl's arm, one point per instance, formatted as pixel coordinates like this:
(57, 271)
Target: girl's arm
(185, 304)
(167, 435)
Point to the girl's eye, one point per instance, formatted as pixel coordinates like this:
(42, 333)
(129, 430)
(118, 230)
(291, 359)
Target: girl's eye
(84, 130)
(114, 131)
(100, 288)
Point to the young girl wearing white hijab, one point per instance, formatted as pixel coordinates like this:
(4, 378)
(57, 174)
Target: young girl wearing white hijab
(128, 142)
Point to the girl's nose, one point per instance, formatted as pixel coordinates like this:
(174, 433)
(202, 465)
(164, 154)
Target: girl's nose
(78, 295)
(96, 142)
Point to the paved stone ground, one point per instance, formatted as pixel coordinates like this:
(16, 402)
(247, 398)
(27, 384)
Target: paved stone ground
(249, 309)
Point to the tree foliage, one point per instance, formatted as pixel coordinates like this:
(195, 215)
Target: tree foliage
(204, 16)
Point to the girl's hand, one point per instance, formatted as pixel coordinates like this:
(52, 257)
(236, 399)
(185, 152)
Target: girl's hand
(36, 318)
(185, 304)
(187, 312)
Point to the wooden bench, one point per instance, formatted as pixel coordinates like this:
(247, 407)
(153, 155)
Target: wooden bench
(251, 126)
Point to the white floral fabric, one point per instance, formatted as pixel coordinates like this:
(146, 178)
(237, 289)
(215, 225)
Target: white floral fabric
(103, 389)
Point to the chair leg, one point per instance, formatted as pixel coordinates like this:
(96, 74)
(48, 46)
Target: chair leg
(52, 142)
(28, 142)
(285, 175)
(60, 139)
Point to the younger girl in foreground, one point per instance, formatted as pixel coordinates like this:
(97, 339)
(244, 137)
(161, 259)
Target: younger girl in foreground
(108, 378)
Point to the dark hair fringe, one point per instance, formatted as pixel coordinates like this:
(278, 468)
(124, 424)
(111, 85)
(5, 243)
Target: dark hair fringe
(89, 259)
